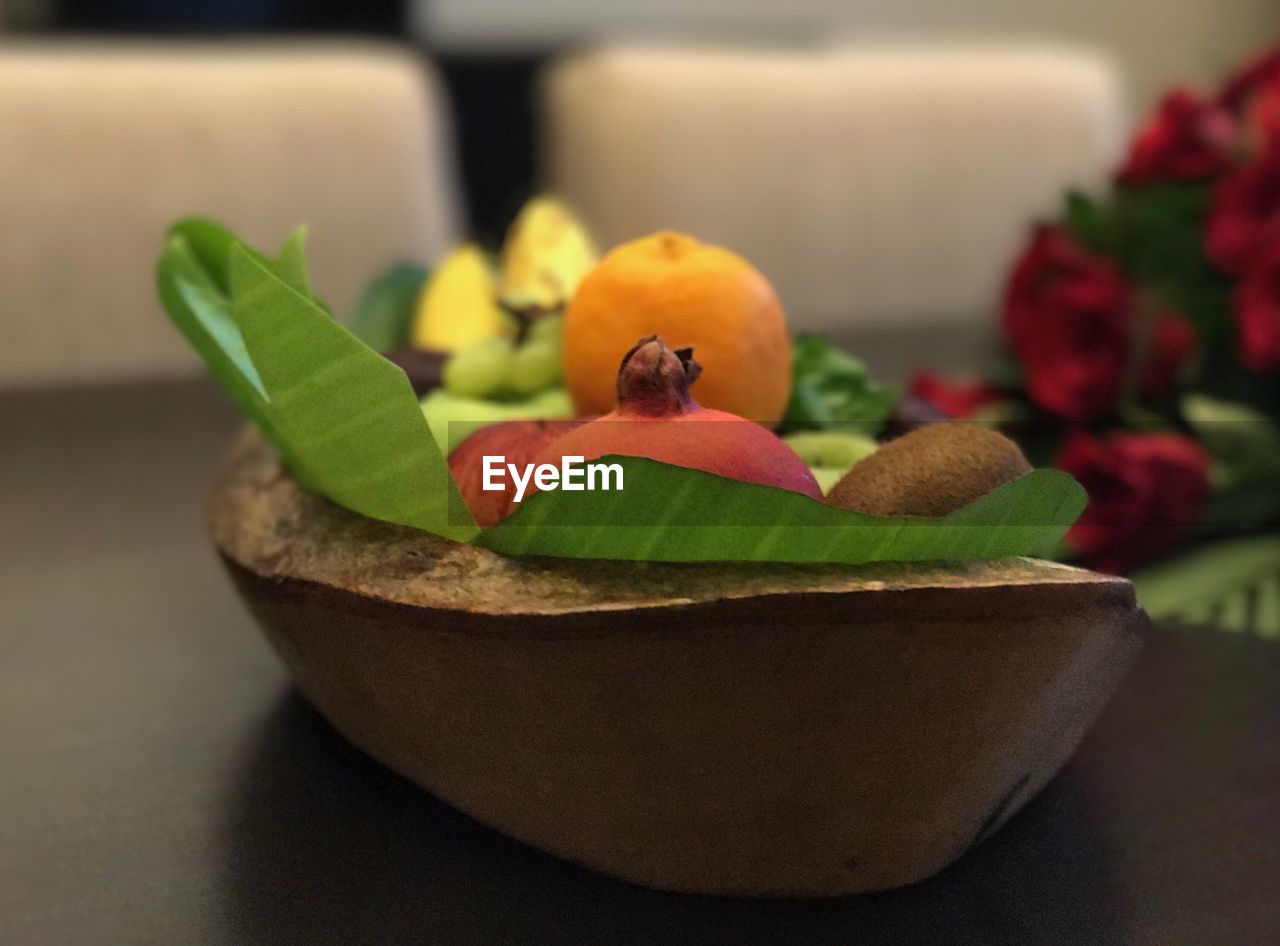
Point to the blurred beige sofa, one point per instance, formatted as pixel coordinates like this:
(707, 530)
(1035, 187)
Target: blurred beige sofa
(102, 146)
(875, 185)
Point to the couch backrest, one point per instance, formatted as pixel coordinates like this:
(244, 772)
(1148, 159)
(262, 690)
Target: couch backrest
(103, 146)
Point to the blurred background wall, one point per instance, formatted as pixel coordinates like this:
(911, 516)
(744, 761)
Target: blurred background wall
(1158, 42)
(491, 51)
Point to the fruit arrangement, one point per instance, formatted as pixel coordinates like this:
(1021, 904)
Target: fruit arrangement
(712, 427)
(536, 333)
(668, 362)
(537, 345)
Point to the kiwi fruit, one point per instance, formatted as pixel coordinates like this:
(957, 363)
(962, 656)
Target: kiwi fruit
(931, 471)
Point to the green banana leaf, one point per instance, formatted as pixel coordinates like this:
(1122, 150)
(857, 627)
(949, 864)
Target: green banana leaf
(350, 428)
(193, 280)
(344, 417)
(667, 513)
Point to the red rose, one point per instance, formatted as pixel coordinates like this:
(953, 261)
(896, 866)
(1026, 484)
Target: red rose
(1262, 117)
(1244, 215)
(1255, 74)
(959, 400)
(1145, 493)
(1066, 315)
(1069, 318)
(1172, 343)
(1257, 311)
(1186, 140)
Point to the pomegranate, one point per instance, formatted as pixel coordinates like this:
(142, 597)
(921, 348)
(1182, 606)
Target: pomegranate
(656, 417)
(518, 442)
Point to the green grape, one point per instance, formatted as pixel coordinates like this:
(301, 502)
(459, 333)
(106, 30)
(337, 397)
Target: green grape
(481, 370)
(453, 418)
(548, 328)
(827, 477)
(535, 367)
(834, 450)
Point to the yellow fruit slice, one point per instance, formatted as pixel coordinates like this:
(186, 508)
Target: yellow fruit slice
(546, 254)
(457, 307)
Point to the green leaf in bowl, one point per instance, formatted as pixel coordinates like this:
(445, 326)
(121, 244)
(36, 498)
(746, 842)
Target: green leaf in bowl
(349, 427)
(668, 513)
(831, 387)
(345, 418)
(193, 280)
(383, 315)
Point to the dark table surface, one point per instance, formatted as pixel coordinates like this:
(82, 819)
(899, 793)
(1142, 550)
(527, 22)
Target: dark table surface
(160, 782)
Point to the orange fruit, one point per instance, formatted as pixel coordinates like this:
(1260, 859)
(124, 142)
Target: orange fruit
(690, 294)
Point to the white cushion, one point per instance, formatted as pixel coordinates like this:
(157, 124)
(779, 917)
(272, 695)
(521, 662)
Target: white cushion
(103, 146)
(872, 185)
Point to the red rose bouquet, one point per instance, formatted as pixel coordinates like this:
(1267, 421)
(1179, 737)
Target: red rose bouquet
(1144, 330)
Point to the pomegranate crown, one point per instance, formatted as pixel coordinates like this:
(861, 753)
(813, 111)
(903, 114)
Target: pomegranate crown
(654, 379)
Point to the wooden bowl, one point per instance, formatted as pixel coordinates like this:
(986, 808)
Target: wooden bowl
(726, 729)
